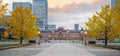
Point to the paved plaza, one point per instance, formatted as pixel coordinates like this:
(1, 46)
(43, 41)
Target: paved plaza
(64, 49)
(25, 51)
(60, 49)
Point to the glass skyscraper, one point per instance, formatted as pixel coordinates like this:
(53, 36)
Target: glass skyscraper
(76, 27)
(24, 4)
(52, 27)
(113, 3)
(40, 10)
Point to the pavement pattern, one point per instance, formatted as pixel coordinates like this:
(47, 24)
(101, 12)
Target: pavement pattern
(31, 50)
(60, 49)
(64, 49)
(98, 51)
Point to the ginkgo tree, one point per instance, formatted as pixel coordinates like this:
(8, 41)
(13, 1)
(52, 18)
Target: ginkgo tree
(116, 17)
(3, 9)
(104, 24)
(22, 24)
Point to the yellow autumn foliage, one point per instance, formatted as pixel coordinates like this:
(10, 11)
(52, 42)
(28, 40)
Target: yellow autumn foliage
(3, 9)
(22, 23)
(106, 23)
(6, 34)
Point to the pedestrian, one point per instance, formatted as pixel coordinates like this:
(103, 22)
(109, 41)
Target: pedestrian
(38, 42)
(40, 37)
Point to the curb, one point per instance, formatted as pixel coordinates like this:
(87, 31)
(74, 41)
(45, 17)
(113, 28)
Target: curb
(113, 48)
(107, 47)
(17, 46)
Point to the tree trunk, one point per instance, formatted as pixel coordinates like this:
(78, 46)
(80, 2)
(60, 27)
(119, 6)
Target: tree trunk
(106, 40)
(106, 37)
(21, 40)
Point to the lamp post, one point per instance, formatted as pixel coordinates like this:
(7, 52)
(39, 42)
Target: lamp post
(85, 35)
(79, 35)
(53, 34)
(39, 38)
(82, 34)
(67, 35)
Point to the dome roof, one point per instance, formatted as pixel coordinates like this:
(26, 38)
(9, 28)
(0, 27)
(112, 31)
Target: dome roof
(60, 29)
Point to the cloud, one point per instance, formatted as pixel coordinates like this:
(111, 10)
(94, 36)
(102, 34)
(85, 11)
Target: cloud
(73, 13)
(67, 13)
(61, 3)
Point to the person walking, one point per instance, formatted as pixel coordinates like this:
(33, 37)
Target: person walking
(40, 37)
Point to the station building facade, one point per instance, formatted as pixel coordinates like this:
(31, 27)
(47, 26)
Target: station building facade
(61, 34)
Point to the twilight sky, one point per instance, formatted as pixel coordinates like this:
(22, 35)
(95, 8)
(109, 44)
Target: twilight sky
(66, 13)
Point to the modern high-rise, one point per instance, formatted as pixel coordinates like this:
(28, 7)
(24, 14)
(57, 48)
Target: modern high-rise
(23, 4)
(76, 27)
(113, 3)
(40, 10)
(52, 27)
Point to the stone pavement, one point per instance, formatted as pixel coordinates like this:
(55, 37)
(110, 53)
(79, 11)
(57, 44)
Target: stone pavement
(60, 49)
(64, 49)
(98, 51)
(25, 51)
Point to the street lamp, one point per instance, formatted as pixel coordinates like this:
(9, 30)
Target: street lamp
(39, 38)
(67, 35)
(38, 32)
(85, 38)
(53, 34)
(82, 34)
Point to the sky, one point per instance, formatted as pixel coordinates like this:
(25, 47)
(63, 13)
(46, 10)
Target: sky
(66, 13)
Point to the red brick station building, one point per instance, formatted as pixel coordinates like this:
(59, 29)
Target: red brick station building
(61, 34)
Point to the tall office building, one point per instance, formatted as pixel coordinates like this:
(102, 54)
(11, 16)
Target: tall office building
(23, 4)
(52, 27)
(113, 3)
(40, 10)
(76, 27)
